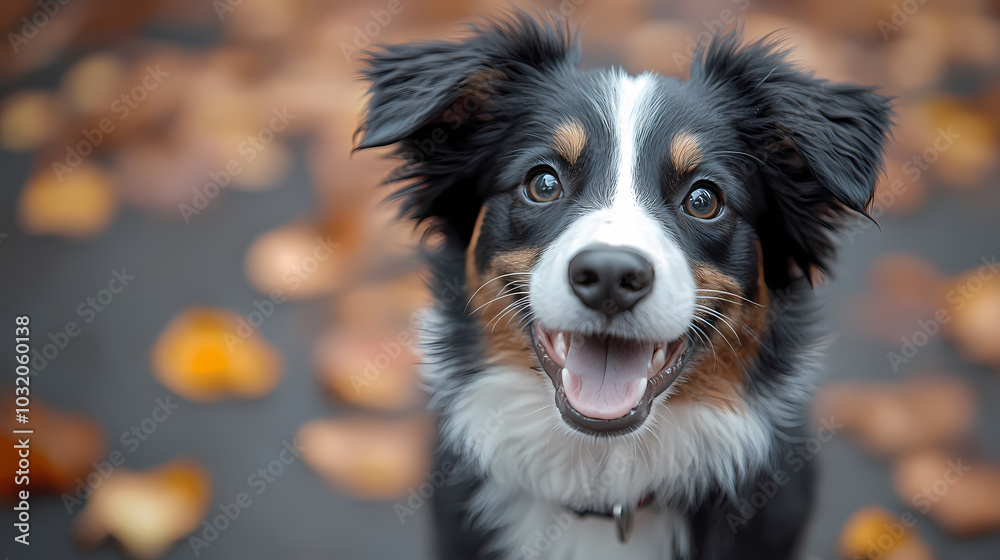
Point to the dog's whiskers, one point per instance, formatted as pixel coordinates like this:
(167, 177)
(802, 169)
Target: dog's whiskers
(742, 154)
(724, 292)
(730, 321)
(719, 315)
(709, 323)
(514, 307)
(505, 310)
(495, 278)
(499, 297)
(703, 336)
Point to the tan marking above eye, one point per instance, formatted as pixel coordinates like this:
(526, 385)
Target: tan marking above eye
(569, 140)
(685, 153)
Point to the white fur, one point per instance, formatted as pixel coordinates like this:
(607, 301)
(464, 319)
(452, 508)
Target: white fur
(630, 117)
(535, 466)
(663, 315)
(506, 421)
(667, 311)
(538, 529)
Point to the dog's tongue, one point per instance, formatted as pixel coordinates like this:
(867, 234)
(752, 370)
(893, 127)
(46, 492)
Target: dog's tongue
(605, 375)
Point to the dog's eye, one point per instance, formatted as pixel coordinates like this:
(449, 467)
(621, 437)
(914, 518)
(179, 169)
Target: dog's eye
(703, 201)
(543, 186)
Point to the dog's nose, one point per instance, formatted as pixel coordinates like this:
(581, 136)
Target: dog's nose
(610, 279)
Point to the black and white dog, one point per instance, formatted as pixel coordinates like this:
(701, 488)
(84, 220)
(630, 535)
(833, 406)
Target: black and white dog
(628, 372)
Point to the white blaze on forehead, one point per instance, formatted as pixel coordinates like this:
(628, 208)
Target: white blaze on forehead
(631, 93)
(667, 311)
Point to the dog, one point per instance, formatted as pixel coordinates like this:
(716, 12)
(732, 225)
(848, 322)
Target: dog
(628, 370)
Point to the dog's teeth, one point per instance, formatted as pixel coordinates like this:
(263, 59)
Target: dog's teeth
(566, 378)
(658, 361)
(642, 391)
(560, 347)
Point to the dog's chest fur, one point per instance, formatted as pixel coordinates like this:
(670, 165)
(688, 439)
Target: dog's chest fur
(535, 470)
(539, 529)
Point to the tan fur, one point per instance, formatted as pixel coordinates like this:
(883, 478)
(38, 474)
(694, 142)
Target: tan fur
(715, 379)
(685, 153)
(718, 378)
(483, 83)
(569, 140)
(508, 344)
(472, 101)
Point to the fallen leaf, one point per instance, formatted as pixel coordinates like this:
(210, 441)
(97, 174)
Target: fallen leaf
(962, 496)
(75, 202)
(92, 84)
(369, 458)
(302, 260)
(973, 304)
(205, 354)
(371, 369)
(28, 119)
(63, 448)
(872, 533)
(894, 418)
(146, 513)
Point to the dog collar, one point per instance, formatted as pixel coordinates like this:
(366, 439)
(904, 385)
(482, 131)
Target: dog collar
(621, 514)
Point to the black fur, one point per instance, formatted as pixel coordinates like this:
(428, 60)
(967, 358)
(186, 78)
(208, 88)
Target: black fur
(425, 99)
(821, 146)
(794, 156)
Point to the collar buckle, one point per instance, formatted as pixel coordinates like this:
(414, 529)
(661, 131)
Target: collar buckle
(623, 518)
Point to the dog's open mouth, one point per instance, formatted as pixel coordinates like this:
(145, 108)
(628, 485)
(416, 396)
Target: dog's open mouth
(605, 384)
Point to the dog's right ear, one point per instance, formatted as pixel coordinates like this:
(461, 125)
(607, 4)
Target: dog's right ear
(816, 146)
(440, 103)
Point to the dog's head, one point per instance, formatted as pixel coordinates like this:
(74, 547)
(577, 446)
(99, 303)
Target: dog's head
(624, 231)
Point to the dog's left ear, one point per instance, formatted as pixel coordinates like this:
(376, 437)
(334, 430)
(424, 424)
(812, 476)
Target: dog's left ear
(818, 147)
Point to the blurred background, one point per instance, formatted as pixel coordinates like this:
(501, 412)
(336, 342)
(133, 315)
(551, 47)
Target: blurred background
(220, 308)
